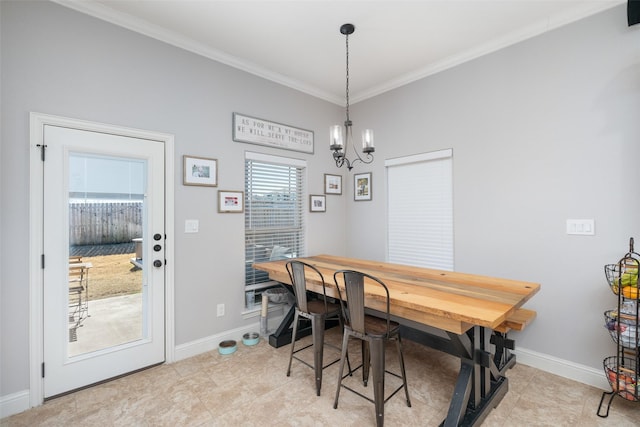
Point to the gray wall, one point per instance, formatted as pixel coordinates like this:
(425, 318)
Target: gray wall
(542, 131)
(60, 62)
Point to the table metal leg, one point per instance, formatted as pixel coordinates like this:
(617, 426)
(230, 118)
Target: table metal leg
(483, 364)
(460, 398)
(481, 383)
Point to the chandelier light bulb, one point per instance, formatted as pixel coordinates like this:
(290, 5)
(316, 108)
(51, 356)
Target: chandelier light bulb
(336, 141)
(367, 141)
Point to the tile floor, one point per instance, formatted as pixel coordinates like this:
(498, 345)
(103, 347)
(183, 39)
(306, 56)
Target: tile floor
(250, 388)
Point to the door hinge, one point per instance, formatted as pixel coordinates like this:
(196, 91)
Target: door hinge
(42, 148)
(42, 261)
(42, 369)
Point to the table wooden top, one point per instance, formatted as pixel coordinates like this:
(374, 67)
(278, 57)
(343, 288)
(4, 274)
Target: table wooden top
(447, 300)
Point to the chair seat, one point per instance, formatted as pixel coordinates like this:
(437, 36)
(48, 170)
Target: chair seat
(318, 307)
(376, 327)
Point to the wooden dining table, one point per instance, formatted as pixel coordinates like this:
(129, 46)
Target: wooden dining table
(458, 313)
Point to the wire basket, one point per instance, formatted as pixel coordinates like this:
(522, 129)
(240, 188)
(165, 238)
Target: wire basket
(623, 378)
(623, 275)
(622, 328)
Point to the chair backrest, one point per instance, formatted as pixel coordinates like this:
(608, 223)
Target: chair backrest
(76, 274)
(297, 274)
(353, 308)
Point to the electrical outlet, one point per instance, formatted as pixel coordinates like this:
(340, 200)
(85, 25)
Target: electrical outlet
(220, 310)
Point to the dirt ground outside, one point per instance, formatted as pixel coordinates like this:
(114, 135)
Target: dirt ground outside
(113, 275)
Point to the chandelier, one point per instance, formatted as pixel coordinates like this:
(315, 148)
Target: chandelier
(339, 141)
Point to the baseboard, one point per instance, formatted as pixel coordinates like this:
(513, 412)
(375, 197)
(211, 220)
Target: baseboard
(564, 368)
(14, 403)
(210, 343)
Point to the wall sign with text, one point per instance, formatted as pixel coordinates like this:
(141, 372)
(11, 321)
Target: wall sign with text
(262, 132)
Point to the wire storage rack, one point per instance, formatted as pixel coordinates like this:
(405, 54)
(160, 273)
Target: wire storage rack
(623, 369)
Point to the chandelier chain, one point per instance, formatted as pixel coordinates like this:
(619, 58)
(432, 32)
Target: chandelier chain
(339, 144)
(347, 91)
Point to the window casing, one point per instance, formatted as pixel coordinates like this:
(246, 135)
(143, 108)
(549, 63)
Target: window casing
(274, 219)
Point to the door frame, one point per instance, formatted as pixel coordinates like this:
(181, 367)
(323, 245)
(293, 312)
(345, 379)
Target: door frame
(36, 244)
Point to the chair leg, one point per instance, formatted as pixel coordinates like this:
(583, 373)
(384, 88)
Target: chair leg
(366, 361)
(343, 356)
(402, 370)
(342, 330)
(377, 366)
(293, 340)
(317, 330)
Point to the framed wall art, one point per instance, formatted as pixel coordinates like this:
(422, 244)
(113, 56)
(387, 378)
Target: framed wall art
(332, 184)
(317, 203)
(200, 171)
(362, 186)
(230, 201)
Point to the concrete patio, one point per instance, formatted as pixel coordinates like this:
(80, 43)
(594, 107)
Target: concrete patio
(111, 321)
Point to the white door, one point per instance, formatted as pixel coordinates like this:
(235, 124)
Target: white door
(103, 315)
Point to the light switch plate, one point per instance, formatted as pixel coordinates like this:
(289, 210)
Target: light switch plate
(191, 226)
(582, 227)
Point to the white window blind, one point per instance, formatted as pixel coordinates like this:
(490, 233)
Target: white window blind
(274, 220)
(420, 210)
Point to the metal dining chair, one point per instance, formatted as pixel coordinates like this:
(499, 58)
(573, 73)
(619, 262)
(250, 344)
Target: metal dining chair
(373, 332)
(317, 311)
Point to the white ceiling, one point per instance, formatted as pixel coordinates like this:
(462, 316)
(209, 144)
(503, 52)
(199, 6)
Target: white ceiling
(298, 43)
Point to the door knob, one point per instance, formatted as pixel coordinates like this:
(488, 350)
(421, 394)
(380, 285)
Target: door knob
(157, 263)
(157, 236)
(157, 248)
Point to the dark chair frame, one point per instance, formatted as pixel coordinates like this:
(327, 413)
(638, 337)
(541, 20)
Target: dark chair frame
(317, 311)
(373, 332)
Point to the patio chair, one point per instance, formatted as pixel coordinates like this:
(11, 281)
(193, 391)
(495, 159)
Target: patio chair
(78, 301)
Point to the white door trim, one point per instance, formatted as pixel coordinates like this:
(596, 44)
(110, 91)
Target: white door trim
(36, 330)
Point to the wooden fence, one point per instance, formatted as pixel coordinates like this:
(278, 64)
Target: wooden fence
(104, 223)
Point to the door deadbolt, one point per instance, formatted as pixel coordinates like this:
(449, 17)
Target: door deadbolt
(157, 263)
(157, 236)
(157, 248)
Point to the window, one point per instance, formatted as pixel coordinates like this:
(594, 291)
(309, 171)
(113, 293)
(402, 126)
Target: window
(274, 220)
(420, 203)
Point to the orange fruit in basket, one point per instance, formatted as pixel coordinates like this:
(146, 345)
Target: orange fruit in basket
(630, 292)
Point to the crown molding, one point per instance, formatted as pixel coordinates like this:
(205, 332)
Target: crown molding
(523, 34)
(146, 28)
(141, 26)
